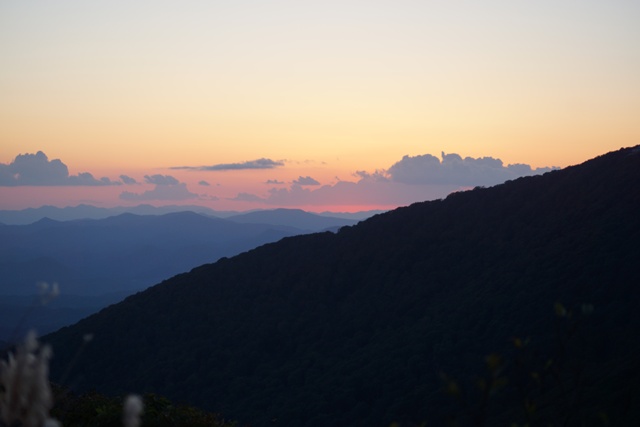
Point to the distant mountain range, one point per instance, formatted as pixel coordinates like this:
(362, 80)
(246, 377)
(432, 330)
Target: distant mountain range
(113, 257)
(31, 215)
(519, 300)
(292, 217)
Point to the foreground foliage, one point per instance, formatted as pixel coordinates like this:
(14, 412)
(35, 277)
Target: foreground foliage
(566, 387)
(93, 409)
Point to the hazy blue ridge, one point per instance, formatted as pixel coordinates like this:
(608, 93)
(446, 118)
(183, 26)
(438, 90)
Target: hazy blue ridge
(83, 211)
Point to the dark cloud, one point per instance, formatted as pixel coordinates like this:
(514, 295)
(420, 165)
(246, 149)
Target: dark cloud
(38, 170)
(274, 182)
(305, 180)
(454, 170)
(251, 164)
(204, 183)
(161, 179)
(128, 180)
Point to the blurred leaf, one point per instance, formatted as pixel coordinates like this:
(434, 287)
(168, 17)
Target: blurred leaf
(560, 310)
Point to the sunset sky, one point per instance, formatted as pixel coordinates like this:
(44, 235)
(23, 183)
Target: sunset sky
(325, 105)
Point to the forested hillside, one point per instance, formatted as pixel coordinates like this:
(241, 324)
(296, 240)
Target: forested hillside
(531, 285)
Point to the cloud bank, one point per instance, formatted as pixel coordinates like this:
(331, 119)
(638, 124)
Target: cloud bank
(247, 197)
(128, 180)
(454, 170)
(38, 170)
(410, 180)
(251, 164)
(305, 180)
(161, 180)
(166, 188)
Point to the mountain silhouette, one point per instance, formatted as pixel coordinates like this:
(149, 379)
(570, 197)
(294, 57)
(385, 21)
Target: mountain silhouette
(83, 211)
(292, 217)
(364, 326)
(126, 252)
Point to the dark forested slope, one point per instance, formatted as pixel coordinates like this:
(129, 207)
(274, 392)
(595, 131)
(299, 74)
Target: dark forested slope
(355, 328)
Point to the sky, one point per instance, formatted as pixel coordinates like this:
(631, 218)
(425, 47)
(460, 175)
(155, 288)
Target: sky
(325, 105)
